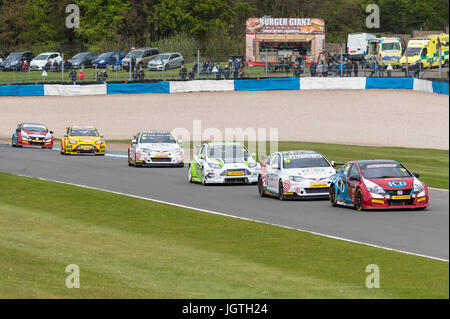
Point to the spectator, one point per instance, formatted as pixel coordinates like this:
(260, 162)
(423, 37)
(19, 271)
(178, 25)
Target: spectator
(313, 68)
(48, 65)
(104, 75)
(73, 76)
(219, 71)
(236, 70)
(319, 68)
(117, 64)
(389, 70)
(242, 71)
(183, 73)
(349, 68)
(25, 65)
(135, 74)
(141, 74)
(417, 69)
(297, 70)
(373, 68)
(355, 69)
(226, 72)
(334, 69)
(381, 69)
(97, 76)
(55, 66)
(325, 69)
(81, 76)
(68, 64)
(191, 74)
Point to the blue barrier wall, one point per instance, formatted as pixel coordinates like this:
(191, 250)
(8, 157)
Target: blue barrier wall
(267, 84)
(134, 88)
(389, 83)
(22, 90)
(440, 87)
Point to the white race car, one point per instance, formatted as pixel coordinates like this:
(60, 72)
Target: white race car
(155, 148)
(223, 163)
(295, 174)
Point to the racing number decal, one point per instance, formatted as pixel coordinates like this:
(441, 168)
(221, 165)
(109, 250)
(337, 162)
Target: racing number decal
(340, 184)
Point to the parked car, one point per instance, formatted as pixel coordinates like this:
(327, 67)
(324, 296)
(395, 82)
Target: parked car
(166, 61)
(39, 62)
(108, 59)
(83, 60)
(15, 60)
(139, 57)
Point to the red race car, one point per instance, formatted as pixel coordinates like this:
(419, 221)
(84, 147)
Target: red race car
(31, 134)
(377, 184)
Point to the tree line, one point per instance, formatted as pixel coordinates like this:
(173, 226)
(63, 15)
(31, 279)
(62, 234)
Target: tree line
(216, 27)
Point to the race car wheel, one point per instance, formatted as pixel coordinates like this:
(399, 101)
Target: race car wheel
(280, 191)
(333, 195)
(203, 177)
(359, 200)
(261, 190)
(129, 162)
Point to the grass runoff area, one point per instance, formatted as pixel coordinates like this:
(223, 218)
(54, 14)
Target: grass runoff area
(133, 248)
(10, 77)
(431, 164)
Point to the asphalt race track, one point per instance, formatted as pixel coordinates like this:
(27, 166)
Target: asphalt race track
(420, 232)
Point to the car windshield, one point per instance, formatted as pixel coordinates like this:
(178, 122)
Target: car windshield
(384, 170)
(84, 132)
(42, 57)
(412, 51)
(304, 160)
(393, 46)
(106, 55)
(162, 57)
(79, 56)
(134, 54)
(228, 153)
(34, 128)
(14, 56)
(157, 138)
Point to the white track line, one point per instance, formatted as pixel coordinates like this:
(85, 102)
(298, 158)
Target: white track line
(237, 217)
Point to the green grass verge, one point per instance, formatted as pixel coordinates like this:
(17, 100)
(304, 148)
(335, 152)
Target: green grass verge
(431, 164)
(133, 248)
(10, 77)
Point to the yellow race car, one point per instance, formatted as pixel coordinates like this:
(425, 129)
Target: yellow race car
(82, 140)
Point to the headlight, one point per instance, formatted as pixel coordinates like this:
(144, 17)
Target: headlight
(146, 150)
(176, 151)
(253, 164)
(25, 136)
(296, 178)
(99, 142)
(376, 190)
(214, 165)
(72, 141)
(418, 188)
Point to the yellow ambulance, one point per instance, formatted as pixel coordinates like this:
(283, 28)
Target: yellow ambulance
(425, 50)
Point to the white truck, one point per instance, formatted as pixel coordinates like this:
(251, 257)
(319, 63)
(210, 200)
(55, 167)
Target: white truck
(357, 45)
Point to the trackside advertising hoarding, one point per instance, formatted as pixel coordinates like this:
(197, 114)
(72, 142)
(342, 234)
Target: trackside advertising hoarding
(285, 25)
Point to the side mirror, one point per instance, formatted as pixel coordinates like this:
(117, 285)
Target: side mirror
(254, 155)
(133, 141)
(333, 163)
(275, 166)
(65, 135)
(51, 132)
(180, 141)
(416, 175)
(201, 156)
(354, 178)
(102, 136)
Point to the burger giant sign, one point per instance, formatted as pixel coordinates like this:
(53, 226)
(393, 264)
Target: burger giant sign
(285, 25)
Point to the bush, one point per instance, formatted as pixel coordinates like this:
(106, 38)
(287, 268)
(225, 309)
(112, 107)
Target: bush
(182, 43)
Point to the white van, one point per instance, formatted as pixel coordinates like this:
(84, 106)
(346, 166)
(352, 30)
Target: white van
(357, 45)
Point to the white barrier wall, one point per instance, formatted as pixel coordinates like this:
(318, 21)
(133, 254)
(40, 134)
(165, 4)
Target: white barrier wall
(327, 83)
(423, 85)
(74, 90)
(201, 85)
